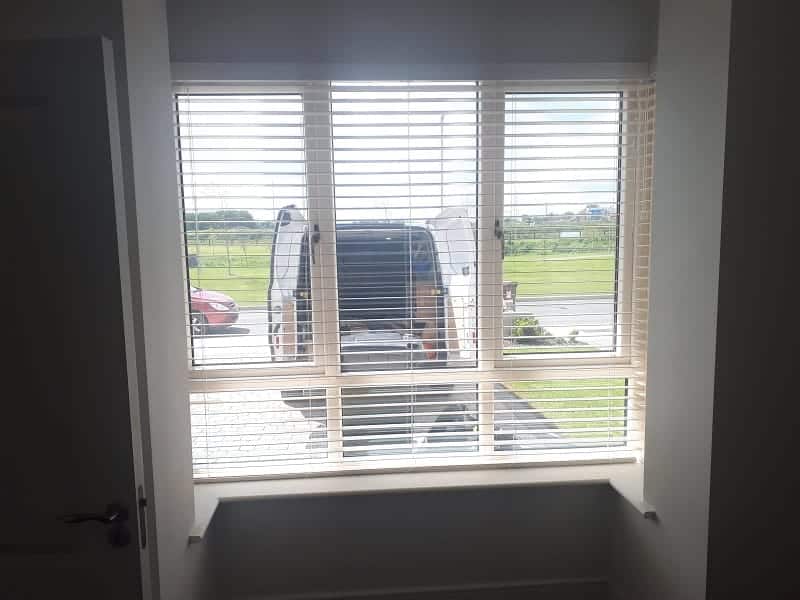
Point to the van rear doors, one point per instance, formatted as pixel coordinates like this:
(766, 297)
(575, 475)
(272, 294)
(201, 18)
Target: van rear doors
(289, 291)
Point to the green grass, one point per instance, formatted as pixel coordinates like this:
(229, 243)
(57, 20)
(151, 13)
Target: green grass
(565, 273)
(595, 399)
(242, 272)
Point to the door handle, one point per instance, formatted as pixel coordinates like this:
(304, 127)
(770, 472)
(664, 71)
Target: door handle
(115, 515)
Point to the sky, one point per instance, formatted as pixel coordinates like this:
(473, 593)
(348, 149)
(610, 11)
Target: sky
(400, 151)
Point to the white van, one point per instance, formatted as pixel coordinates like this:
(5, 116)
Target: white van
(407, 298)
(406, 292)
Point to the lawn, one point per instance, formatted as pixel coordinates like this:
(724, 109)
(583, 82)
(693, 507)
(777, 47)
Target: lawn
(242, 272)
(553, 274)
(596, 400)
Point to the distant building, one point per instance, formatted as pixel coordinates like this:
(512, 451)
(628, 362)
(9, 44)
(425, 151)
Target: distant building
(596, 213)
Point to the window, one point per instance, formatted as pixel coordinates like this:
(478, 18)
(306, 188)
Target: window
(399, 275)
(561, 217)
(243, 179)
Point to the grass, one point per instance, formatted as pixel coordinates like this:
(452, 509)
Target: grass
(596, 400)
(242, 272)
(556, 274)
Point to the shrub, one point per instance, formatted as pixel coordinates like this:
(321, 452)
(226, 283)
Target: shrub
(526, 330)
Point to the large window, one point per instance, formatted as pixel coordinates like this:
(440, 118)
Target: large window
(401, 275)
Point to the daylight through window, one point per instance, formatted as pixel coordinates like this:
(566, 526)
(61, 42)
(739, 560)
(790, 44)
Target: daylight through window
(402, 275)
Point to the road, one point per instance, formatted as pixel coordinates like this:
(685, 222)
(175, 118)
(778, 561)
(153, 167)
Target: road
(592, 316)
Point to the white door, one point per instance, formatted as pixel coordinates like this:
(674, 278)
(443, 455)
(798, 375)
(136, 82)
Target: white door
(70, 441)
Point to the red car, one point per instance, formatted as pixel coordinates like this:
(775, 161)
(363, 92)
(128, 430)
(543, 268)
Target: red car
(210, 310)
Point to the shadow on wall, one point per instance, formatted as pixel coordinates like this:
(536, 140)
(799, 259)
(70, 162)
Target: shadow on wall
(451, 544)
(377, 32)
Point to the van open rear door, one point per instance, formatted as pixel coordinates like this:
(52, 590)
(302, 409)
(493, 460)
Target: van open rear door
(454, 232)
(288, 295)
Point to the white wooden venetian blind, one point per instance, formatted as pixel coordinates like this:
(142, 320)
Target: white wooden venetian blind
(396, 275)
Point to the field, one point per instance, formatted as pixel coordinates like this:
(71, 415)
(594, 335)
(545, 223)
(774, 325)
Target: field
(239, 270)
(242, 272)
(556, 274)
(596, 400)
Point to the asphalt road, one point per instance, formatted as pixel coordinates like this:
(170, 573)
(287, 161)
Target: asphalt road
(592, 316)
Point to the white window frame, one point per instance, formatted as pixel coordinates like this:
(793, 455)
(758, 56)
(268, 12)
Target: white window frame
(491, 366)
(204, 373)
(621, 356)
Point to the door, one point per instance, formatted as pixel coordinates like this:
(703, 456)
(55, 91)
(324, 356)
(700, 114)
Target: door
(288, 293)
(70, 441)
(456, 243)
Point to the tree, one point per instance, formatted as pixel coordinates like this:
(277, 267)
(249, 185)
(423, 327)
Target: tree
(227, 219)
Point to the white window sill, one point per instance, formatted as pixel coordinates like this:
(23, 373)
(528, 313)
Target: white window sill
(626, 479)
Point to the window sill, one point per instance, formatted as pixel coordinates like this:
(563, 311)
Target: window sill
(626, 479)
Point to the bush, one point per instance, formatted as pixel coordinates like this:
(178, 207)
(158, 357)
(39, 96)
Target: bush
(526, 330)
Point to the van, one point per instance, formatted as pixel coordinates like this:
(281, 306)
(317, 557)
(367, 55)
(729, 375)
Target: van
(402, 288)
(395, 306)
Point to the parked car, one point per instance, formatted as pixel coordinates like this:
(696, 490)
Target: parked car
(211, 310)
(393, 314)
(406, 292)
(403, 291)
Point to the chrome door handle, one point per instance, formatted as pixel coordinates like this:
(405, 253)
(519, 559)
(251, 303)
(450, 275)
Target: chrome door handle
(114, 514)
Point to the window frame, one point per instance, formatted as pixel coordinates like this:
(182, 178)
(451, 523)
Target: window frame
(626, 227)
(491, 366)
(267, 369)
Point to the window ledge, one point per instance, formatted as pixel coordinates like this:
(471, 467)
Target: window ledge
(626, 479)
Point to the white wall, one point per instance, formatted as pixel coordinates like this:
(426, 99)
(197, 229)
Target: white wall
(182, 571)
(668, 559)
(312, 35)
